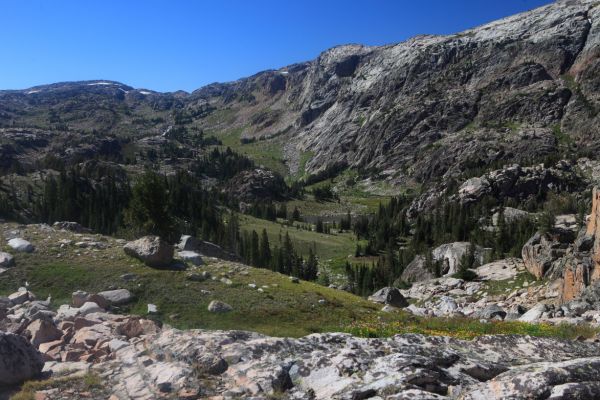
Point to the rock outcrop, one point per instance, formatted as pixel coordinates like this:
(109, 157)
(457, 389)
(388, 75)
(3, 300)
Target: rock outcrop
(543, 252)
(151, 250)
(258, 184)
(137, 359)
(520, 183)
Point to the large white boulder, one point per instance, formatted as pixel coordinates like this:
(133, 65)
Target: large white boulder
(151, 250)
(21, 245)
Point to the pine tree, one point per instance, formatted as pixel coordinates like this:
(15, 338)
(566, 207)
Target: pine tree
(265, 250)
(255, 258)
(148, 209)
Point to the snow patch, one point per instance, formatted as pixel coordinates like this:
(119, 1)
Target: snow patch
(101, 83)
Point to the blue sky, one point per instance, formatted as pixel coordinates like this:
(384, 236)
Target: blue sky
(184, 44)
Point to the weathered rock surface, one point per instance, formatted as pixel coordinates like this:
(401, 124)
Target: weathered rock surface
(450, 254)
(139, 360)
(447, 256)
(516, 182)
(541, 252)
(151, 250)
(19, 360)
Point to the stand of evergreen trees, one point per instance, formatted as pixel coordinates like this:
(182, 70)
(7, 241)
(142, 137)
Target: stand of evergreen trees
(284, 259)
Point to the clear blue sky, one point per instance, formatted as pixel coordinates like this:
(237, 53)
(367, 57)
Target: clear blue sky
(168, 45)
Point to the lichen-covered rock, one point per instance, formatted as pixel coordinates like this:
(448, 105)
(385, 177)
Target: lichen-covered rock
(19, 360)
(151, 250)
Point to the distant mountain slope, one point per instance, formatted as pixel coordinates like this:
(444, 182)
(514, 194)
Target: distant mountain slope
(519, 89)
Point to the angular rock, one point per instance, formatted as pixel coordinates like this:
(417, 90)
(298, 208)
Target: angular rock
(534, 314)
(117, 297)
(43, 331)
(151, 250)
(21, 297)
(389, 296)
(492, 311)
(78, 298)
(89, 307)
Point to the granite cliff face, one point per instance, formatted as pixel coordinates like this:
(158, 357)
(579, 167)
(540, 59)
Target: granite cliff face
(515, 90)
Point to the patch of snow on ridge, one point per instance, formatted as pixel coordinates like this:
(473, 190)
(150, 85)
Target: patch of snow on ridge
(101, 83)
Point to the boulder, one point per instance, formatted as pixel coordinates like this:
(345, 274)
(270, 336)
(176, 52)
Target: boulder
(188, 243)
(500, 270)
(510, 215)
(446, 306)
(151, 250)
(135, 327)
(79, 297)
(89, 307)
(190, 257)
(19, 360)
(43, 331)
(219, 307)
(21, 297)
(450, 254)
(116, 297)
(415, 271)
(535, 313)
(6, 260)
(21, 245)
(389, 296)
(492, 311)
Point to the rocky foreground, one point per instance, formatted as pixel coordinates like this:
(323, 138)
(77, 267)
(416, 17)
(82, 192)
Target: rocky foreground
(135, 358)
